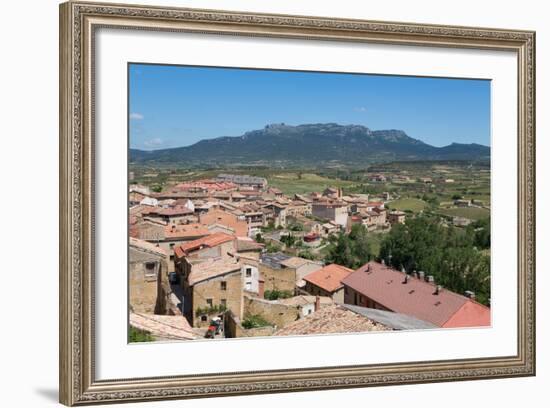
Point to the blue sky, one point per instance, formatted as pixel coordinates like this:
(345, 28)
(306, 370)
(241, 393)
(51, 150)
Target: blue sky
(173, 106)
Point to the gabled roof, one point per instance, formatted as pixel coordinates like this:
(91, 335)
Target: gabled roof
(396, 321)
(274, 260)
(185, 231)
(303, 300)
(328, 278)
(417, 297)
(146, 247)
(211, 269)
(296, 262)
(163, 326)
(331, 319)
(208, 241)
(244, 245)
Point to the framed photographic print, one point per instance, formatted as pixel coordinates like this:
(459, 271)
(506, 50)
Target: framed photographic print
(256, 203)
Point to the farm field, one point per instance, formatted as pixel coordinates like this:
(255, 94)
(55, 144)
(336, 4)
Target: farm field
(297, 183)
(410, 204)
(473, 213)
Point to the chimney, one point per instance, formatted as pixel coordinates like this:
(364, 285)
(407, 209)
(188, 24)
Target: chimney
(383, 262)
(403, 269)
(470, 294)
(317, 303)
(430, 279)
(415, 274)
(421, 275)
(406, 280)
(261, 284)
(438, 289)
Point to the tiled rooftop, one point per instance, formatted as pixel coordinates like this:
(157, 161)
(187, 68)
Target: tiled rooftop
(331, 319)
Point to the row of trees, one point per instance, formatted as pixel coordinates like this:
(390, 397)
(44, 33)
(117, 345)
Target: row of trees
(457, 258)
(454, 256)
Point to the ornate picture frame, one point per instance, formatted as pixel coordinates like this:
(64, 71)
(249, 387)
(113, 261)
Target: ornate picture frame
(78, 24)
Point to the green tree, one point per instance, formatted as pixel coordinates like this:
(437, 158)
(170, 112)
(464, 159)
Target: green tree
(449, 254)
(353, 250)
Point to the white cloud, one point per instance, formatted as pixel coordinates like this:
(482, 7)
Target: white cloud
(136, 116)
(157, 141)
(360, 109)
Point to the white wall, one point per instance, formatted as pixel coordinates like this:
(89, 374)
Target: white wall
(28, 160)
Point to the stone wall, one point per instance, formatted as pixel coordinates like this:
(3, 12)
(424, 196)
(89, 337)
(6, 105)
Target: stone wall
(148, 293)
(278, 279)
(274, 312)
(233, 328)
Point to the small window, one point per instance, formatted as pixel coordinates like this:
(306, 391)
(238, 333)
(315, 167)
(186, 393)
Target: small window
(248, 272)
(203, 318)
(150, 268)
(209, 302)
(172, 245)
(223, 285)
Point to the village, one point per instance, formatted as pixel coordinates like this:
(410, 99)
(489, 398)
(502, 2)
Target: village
(233, 256)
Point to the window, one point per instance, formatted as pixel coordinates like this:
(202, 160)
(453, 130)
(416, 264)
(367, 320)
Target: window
(172, 245)
(223, 285)
(248, 272)
(223, 302)
(150, 268)
(203, 318)
(209, 302)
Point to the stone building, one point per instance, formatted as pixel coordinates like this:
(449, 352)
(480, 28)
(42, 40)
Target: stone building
(211, 288)
(336, 211)
(396, 217)
(148, 278)
(275, 274)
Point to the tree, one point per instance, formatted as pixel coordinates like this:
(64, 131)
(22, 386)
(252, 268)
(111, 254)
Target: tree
(353, 250)
(449, 254)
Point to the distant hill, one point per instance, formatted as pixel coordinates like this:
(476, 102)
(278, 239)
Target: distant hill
(311, 144)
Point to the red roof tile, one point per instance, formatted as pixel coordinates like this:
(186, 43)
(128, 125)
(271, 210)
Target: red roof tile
(328, 278)
(417, 298)
(209, 241)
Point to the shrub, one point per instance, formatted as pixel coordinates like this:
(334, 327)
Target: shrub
(253, 321)
(277, 294)
(139, 336)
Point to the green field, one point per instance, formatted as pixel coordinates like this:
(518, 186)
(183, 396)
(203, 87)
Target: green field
(411, 204)
(299, 183)
(473, 213)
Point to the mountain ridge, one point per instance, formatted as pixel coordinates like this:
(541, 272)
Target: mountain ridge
(309, 144)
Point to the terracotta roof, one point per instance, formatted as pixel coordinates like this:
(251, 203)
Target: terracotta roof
(211, 269)
(208, 241)
(164, 327)
(296, 262)
(303, 300)
(328, 278)
(173, 211)
(217, 216)
(417, 297)
(185, 231)
(248, 245)
(146, 246)
(331, 319)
